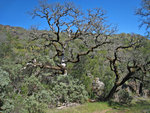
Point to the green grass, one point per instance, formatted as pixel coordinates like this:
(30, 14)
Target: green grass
(140, 106)
(109, 107)
(86, 108)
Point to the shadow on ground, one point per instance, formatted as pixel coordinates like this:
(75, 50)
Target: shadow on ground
(140, 106)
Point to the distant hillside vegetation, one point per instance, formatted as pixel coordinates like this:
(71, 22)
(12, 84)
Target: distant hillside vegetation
(13, 31)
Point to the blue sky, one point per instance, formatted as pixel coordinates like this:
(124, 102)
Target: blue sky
(119, 12)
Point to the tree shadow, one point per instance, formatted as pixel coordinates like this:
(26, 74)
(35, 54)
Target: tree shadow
(118, 106)
(143, 105)
(143, 102)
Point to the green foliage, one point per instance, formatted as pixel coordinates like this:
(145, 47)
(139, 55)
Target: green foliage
(124, 97)
(4, 81)
(97, 67)
(27, 104)
(34, 106)
(8, 105)
(66, 89)
(5, 100)
(33, 97)
(31, 89)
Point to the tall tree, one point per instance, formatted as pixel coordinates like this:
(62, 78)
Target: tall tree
(72, 33)
(144, 13)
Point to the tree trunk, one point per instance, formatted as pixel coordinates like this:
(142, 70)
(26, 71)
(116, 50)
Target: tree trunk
(1, 104)
(141, 89)
(111, 93)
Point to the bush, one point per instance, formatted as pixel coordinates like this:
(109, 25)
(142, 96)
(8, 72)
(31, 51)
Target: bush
(34, 106)
(33, 96)
(66, 89)
(124, 97)
(27, 104)
(5, 101)
(63, 90)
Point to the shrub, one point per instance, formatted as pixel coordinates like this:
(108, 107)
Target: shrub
(5, 101)
(33, 96)
(28, 104)
(124, 97)
(31, 99)
(66, 89)
(34, 106)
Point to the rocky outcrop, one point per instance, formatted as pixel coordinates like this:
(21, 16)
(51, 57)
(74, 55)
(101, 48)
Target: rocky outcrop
(98, 87)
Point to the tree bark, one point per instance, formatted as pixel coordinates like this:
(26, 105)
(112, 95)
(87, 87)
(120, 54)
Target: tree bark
(111, 93)
(141, 89)
(116, 85)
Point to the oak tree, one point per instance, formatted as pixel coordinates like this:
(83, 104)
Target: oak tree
(73, 33)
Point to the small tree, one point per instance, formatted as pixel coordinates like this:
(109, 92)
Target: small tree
(127, 61)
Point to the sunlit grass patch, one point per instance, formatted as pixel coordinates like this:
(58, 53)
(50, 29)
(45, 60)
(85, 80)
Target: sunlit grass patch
(85, 108)
(107, 107)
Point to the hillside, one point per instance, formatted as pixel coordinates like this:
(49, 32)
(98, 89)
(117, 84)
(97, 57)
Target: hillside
(14, 31)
